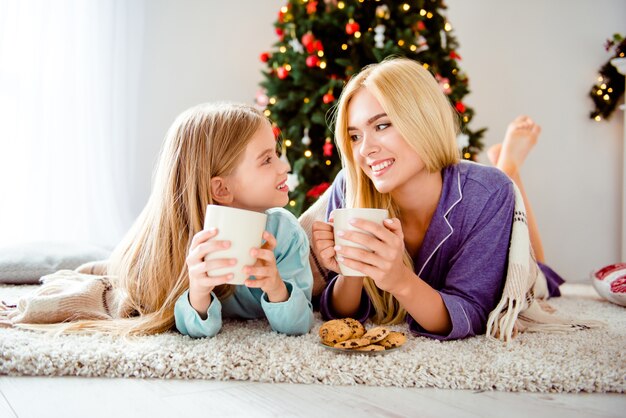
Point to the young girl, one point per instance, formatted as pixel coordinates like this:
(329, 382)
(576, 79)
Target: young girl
(440, 260)
(213, 154)
(243, 171)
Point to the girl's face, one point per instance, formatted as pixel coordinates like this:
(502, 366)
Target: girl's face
(378, 148)
(260, 180)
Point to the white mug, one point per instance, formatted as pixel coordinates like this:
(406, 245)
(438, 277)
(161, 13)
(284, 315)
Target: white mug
(341, 223)
(244, 229)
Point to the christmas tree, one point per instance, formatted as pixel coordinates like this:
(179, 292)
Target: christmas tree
(321, 44)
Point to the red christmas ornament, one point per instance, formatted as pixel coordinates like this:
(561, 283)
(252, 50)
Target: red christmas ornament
(317, 45)
(308, 39)
(328, 98)
(316, 191)
(312, 61)
(279, 32)
(460, 107)
(352, 27)
(421, 26)
(281, 16)
(311, 7)
(265, 56)
(282, 73)
(454, 55)
(328, 149)
(276, 131)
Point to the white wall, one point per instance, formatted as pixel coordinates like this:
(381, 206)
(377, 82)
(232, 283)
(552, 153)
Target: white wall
(535, 57)
(541, 58)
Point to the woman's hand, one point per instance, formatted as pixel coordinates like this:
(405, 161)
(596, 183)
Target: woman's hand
(385, 263)
(201, 283)
(265, 271)
(324, 244)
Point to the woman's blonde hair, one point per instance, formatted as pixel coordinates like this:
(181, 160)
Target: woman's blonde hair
(149, 264)
(423, 115)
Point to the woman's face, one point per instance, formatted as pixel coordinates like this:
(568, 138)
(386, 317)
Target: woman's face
(377, 146)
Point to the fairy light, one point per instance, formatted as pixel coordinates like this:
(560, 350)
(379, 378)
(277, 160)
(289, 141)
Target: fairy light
(454, 71)
(610, 90)
(406, 7)
(288, 67)
(599, 92)
(341, 5)
(425, 65)
(320, 54)
(328, 162)
(603, 86)
(467, 155)
(344, 47)
(598, 118)
(401, 42)
(447, 27)
(306, 100)
(323, 65)
(423, 12)
(287, 142)
(267, 112)
(282, 49)
(284, 9)
(272, 100)
(600, 79)
(606, 97)
(292, 203)
(413, 48)
(465, 119)
(308, 153)
(357, 34)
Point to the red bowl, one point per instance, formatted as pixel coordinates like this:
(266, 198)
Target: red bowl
(610, 283)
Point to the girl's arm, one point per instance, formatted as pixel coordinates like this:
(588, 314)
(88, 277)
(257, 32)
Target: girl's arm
(189, 322)
(294, 315)
(198, 312)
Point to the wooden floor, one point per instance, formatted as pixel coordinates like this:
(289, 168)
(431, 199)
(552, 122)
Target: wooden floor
(27, 397)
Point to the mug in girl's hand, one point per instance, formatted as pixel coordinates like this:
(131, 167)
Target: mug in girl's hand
(244, 229)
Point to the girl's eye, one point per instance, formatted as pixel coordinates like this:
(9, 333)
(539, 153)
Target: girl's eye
(267, 160)
(355, 137)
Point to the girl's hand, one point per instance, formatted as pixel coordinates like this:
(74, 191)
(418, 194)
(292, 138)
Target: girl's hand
(385, 263)
(200, 284)
(265, 271)
(324, 244)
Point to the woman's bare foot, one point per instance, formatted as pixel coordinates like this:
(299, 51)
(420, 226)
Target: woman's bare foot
(493, 153)
(521, 135)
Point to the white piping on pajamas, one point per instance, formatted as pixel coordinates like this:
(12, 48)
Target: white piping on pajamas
(458, 174)
(469, 326)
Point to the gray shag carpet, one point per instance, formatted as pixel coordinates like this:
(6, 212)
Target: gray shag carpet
(581, 361)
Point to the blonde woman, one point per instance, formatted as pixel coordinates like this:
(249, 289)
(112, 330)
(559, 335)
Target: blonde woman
(213, 154)
(439, 261)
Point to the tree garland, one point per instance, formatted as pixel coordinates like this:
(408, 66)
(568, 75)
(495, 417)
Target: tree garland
(607, 92)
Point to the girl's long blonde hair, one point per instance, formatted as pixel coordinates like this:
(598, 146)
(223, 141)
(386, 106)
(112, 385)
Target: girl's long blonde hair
(423, 115)
(149, 264)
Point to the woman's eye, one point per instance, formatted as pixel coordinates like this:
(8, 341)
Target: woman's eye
(382, 126)
(355, 137)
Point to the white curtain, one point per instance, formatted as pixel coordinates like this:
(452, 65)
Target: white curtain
(68, 104)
